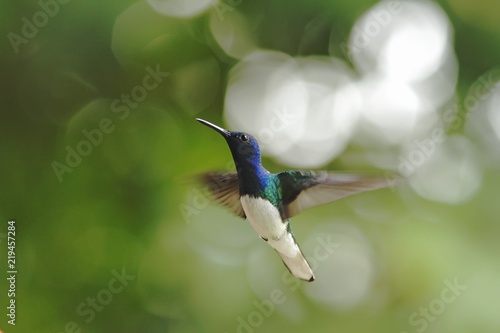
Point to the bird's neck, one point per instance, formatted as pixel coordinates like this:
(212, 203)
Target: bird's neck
(254, 178)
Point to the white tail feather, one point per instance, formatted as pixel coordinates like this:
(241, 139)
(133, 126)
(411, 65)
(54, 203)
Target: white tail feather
(298, 266)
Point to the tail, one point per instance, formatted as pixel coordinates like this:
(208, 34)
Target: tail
(292, 256)
(298, 266)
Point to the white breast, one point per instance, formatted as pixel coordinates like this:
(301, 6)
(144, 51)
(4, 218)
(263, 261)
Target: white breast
(266, 220)
(263, 217)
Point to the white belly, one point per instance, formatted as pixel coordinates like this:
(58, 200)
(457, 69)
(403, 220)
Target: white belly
(263, 217)
(266, 220)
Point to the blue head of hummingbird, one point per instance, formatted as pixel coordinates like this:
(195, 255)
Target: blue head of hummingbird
(268, 200)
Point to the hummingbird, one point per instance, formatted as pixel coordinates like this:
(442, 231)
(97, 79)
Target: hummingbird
(268, 200)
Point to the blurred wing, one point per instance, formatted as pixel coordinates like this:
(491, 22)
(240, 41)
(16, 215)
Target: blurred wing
(225, 190)
(306, 189)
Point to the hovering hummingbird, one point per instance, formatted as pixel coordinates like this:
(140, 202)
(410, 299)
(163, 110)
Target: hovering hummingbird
(268, 200)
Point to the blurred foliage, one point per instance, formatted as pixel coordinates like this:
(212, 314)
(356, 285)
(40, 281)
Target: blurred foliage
(120, 207)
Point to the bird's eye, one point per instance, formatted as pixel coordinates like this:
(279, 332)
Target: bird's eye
(244, 137)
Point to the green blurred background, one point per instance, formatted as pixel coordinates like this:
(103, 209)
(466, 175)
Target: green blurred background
(126, 208)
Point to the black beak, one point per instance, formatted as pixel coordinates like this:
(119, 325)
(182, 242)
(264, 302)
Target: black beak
(222, 131)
